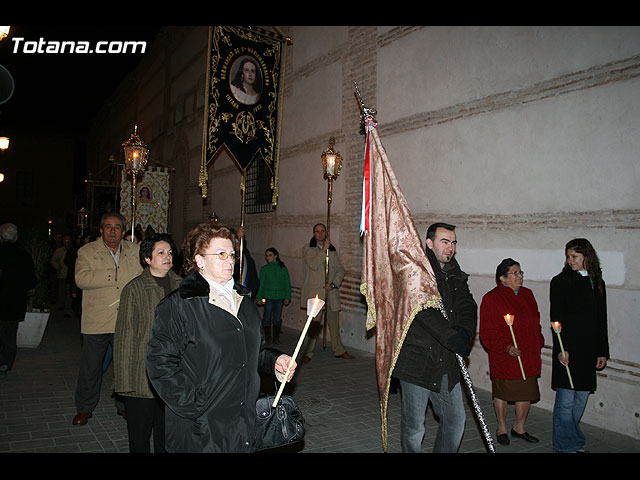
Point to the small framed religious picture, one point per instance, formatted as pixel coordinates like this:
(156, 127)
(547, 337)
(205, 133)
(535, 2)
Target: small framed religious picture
(144, 194)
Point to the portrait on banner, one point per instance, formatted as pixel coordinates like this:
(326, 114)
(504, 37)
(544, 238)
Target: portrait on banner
(246, 80)
(152, 198)
(243, 98)
(144, 194)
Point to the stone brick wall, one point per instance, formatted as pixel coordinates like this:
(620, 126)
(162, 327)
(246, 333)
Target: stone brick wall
(523, 137)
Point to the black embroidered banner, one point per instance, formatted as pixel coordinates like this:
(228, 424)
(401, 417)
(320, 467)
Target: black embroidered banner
(243, 95)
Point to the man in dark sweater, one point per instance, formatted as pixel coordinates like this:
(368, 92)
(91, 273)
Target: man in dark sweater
(17, 277)
(427, 366)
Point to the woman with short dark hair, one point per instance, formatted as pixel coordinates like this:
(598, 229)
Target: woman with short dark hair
(136, 314)
(511, 297)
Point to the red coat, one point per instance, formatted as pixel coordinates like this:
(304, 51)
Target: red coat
(496, 336)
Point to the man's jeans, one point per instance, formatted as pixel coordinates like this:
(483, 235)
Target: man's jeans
(449, 408)
(567, 412)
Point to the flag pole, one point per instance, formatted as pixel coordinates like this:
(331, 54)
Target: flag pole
(476, 403)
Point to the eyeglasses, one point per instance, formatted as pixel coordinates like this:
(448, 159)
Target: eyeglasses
(223, 255)
(516, 273)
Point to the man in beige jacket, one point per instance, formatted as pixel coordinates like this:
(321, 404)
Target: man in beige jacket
(314, 256)
(102, 270)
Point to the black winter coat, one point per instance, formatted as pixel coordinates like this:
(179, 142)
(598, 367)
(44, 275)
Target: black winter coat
(204, 364)
(425, 354)
(17, 277)
(582, 312)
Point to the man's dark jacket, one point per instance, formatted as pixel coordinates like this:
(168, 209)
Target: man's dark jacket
(17, 277)
(205, 364)
(426, 353)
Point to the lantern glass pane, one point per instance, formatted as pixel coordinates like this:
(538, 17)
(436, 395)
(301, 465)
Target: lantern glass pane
(331, 163)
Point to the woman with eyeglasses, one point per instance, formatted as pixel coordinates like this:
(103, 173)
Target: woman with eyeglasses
(206, 351)
(507, 383)
(578, 301)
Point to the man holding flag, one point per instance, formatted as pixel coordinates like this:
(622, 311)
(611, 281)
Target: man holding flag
(427, 367)
(418, 304)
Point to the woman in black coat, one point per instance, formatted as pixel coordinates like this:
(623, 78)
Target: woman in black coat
(578, 302)
(206, 351)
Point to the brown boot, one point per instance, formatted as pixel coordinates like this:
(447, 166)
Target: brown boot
(267, 335)
(81, 418)
(345, 355)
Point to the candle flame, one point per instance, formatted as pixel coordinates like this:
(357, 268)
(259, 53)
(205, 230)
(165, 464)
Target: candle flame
(509, 319)
(557, 326)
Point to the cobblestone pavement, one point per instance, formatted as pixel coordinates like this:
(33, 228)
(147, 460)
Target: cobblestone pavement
(338, 398)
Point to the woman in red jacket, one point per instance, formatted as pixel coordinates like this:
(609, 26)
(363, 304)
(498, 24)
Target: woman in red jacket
(510, 297)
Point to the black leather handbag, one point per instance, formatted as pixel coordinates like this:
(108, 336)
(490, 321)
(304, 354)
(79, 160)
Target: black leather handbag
(277, 426)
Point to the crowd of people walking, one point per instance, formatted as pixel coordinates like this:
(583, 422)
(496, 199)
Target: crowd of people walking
(190, 337)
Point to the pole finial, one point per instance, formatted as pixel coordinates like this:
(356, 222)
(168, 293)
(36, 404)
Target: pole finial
(367, 114)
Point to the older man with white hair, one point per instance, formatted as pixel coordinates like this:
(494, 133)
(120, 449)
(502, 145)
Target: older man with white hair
(17, 277)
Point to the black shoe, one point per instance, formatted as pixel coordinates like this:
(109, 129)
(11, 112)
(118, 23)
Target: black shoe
(503, 438)
(267, 335)
(276, 335)
(525, 436)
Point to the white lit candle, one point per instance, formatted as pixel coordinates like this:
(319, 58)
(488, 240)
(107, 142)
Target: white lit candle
(331, 164)
(509, 319)
(314, 305)
(557, 327)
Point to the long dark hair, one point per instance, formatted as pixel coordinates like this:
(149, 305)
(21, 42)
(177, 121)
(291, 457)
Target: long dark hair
(277, 255)
(591, 260)
(237, 79)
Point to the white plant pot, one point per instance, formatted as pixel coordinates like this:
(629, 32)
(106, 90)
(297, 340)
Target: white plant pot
(31, 329)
